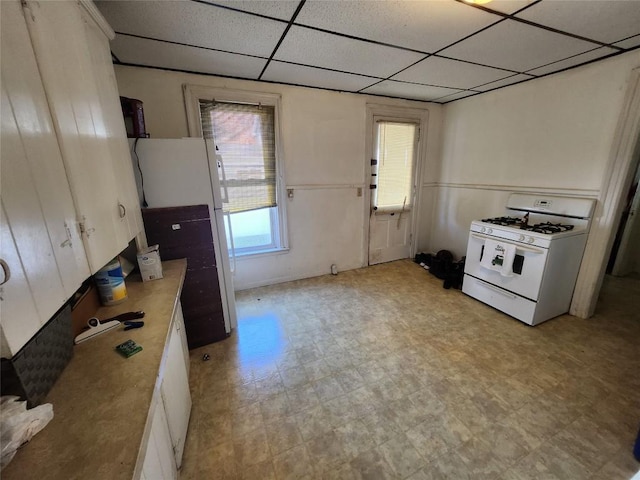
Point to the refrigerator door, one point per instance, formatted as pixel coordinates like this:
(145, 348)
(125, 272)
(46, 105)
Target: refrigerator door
(216, 175)
(226, 286)
(175, 172)
(178, 172)
(221, 196)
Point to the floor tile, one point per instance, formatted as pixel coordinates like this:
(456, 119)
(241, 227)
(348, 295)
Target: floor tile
(401, 456)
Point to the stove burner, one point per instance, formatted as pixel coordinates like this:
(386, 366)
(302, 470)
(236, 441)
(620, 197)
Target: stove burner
(547, 228)
(504, 221)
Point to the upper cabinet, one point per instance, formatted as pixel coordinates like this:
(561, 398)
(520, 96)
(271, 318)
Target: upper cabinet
(41, 246)
(71, 45)
(68, 195)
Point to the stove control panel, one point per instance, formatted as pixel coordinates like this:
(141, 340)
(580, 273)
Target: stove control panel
(543, 204)
(511, 234)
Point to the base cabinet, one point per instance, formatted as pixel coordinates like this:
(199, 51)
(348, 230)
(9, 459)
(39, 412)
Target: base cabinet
(174, 390)
(158, 461)
(171, 407)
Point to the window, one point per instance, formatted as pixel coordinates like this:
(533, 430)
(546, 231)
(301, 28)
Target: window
(245, 131)
(396, 148)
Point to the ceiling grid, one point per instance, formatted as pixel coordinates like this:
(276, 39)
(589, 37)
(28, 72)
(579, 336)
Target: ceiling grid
(429, 50)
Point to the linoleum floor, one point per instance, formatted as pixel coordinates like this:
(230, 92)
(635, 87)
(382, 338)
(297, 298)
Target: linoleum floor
(380, 373)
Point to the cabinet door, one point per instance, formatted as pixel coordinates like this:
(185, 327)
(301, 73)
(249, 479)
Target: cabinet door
(58, 38)
(158, 460)
(19, 317)
(24, 217)
(116, 135)
(175, 392)
(26, 114)
(179, 319)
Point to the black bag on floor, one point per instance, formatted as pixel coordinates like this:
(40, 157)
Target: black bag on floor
(455, 275)
(441, 264)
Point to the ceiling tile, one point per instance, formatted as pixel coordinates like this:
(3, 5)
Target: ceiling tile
(508, 6)
(310, 47)
(195, 24)
(504, 82)
(450, 73)
(629, 42)
(425, 26)
(604, 20)
(282, 9)
(315, 77)
(570, 62)
(517, 46)
(409, 90)
(141, 51)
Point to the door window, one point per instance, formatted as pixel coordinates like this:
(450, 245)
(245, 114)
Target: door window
(396, 146)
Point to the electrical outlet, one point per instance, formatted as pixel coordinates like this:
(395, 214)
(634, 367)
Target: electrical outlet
(359, 191)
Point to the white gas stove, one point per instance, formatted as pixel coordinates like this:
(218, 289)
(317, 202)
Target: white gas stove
(526, 263)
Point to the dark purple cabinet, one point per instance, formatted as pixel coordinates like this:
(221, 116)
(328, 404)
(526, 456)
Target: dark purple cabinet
(185, 232)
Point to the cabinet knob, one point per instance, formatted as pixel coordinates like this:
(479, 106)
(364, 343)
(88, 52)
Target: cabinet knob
(6, 272)
(123, 210)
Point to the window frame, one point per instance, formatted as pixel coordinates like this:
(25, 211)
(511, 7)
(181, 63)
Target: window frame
(192, 96)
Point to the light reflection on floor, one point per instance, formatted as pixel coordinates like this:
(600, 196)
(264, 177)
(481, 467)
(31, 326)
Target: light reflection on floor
(261, 341)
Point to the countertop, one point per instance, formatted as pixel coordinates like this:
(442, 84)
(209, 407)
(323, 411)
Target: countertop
(101, 400)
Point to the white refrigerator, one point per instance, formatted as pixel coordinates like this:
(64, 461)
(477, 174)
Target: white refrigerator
(187, 171)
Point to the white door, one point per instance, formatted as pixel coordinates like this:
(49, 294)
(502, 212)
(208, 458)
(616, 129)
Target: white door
(393, 188)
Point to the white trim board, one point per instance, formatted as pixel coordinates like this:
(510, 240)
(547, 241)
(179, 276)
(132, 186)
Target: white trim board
(570, 192)
(615, 185)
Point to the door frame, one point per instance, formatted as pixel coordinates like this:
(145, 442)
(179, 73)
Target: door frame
(415, 115)
(615, 185)
(620, 261)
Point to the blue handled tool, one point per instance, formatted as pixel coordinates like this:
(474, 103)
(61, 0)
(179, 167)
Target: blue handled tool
(128, 324)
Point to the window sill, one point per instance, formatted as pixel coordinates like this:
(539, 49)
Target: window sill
(262, 253)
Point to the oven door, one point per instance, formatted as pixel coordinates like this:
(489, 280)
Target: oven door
(528, 266)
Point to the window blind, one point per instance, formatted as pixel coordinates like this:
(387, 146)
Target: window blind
(396, 145)
(245, 137)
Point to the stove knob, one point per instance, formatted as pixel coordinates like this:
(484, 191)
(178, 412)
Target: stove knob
(483, 229)
(530, 240)
(490, 230)
(521, 238)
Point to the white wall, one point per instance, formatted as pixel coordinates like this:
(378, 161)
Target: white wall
(552, 134)
(323, 137)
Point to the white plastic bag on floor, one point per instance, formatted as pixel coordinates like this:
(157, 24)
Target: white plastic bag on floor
(18, 425)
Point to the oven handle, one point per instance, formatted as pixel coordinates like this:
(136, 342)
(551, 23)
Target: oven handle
(497, 290)
(519, 247)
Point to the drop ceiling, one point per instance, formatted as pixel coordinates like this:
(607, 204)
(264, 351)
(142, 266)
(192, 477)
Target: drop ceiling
(430, 50)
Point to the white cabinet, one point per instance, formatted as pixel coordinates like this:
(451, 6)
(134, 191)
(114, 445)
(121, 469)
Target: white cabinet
(162, 455)
(175, 390)
(115, 133)
(76, 71)
(68, 190)
(158, 461)
(40, 240)
(17, 300)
